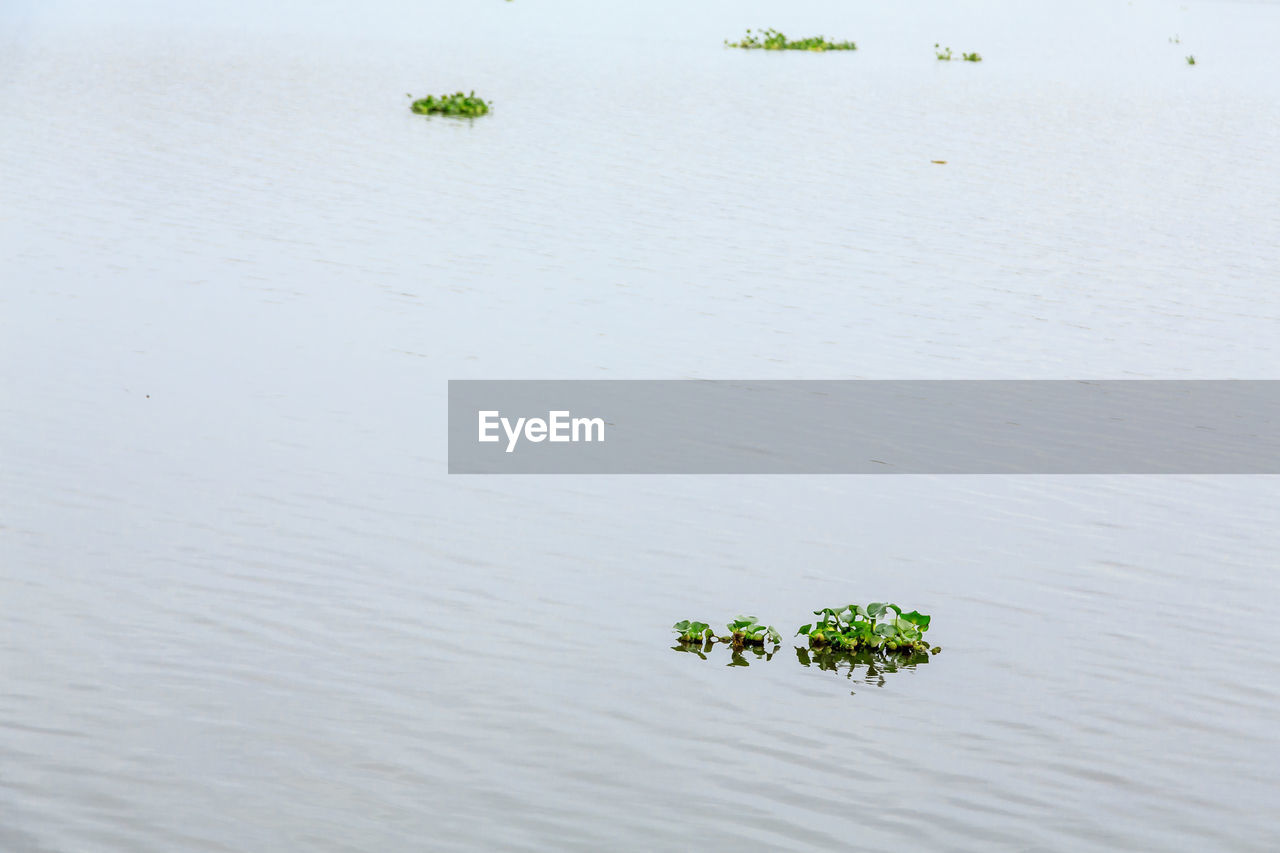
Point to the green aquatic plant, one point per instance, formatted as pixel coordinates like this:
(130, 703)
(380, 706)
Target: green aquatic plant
(693, 632)
(944, 54)
(1191, 60)
(770, 39)
(879, 627)
(865, 641)
(457, 104)
(747, 631)
(743, 631)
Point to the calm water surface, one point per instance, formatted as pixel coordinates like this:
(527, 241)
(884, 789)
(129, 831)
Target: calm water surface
(244, 607)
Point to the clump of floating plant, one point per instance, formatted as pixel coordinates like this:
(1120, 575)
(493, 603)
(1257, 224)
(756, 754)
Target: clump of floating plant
(945, 55)
(774, 40)
(743, 631)
(457, 104)
(745, 636)
(693, 632)
(868, 642)
(879, 627)
(747, 631)
(1191, 60)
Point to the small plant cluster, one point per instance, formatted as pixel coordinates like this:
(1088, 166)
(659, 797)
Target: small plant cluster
(693, 632)
(457, 104)
(743, 631)
(774, 40)
(945, 54)
(865, 643)
(1191, 60)
(880, 627)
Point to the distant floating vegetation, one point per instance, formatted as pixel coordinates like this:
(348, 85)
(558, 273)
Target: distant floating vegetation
(868, 642)
(1191, 60)
(857, 628)
(457, 104)
(774, 40)
(743, 631)
(945, 54)
(879, 628)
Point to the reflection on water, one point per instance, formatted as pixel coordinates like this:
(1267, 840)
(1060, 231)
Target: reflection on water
(866, 666)
(738, 655)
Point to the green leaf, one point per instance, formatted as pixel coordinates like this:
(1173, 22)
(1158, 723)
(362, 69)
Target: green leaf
(682, 625)
(920, 620)
(804, 629)
(886, 630)
(875, 608)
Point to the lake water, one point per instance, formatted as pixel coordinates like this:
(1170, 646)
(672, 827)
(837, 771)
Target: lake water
(245, 608)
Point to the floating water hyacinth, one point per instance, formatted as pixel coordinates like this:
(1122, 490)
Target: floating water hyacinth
(855, 628)
(867, 642)
(743, 631)
(693, 632)
(944, 54)
(456, 104)
(774, 40)
(747, 631)
(878, 627)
